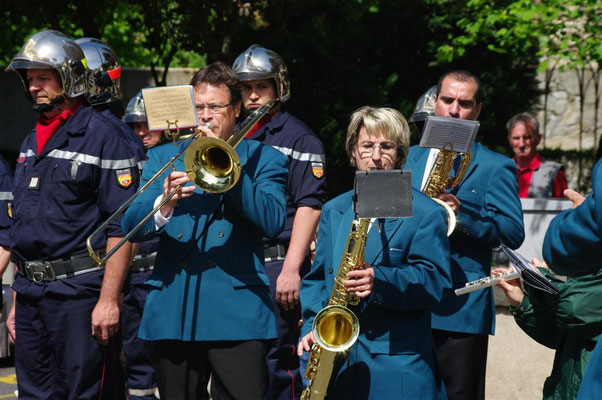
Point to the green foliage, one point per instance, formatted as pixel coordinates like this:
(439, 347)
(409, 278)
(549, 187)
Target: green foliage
(341, 54)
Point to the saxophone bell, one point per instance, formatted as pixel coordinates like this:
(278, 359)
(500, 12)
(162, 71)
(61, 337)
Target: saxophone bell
(336, 328)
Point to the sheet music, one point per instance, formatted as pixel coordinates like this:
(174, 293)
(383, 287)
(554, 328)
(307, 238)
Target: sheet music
(449, 134)
(530, 275)
(170, 103)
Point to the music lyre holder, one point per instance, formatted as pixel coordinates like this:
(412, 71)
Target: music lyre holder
(168, 134)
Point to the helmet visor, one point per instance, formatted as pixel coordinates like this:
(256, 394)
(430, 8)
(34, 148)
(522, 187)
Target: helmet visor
(27, 64)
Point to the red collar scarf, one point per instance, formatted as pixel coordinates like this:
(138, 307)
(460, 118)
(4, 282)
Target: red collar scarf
(264, 120)
(46, 127)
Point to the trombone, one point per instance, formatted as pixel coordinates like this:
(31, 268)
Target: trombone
(212, 164)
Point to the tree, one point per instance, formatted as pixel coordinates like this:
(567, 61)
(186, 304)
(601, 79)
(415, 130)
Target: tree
(563, 34)
(341, 54)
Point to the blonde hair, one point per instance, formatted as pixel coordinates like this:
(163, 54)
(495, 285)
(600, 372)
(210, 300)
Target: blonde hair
(380, 120)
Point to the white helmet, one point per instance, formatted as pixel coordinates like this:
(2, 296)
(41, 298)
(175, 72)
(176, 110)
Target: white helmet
(257, 62)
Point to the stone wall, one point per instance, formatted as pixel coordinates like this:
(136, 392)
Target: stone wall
(562, 129)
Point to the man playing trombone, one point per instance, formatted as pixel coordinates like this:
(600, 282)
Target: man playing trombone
(209, 310)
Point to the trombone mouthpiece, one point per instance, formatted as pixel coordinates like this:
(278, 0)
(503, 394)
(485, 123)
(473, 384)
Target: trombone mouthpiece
(207, 125)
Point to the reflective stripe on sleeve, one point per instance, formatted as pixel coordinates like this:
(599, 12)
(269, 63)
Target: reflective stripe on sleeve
(142, 392)
(6, 195)
(86, 159)
(301, 156)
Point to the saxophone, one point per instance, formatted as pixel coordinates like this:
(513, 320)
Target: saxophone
(336, 327)
(438, 180)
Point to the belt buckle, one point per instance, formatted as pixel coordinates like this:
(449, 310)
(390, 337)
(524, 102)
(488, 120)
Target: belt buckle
(40, 271)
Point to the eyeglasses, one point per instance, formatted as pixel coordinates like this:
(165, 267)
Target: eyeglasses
(213, 108)
(367, 149)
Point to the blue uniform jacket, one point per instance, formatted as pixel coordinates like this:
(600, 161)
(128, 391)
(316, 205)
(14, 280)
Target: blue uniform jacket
(572, 246)
(306, 184)
(6, 196)
(128, 134)
(209, 281)
(490, 214)
(394, 355)
(84, 173)
(573, 242)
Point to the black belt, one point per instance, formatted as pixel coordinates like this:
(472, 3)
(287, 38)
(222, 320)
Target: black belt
(48, 271)
(144, 262)
(274, 252)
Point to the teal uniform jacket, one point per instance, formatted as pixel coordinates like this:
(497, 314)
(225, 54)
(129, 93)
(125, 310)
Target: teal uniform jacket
(573, 242)
(209, 281)
(490, 214)
(394, 357)
(573, 246)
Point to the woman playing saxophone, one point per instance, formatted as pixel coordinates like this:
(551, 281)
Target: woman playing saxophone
(404, 271)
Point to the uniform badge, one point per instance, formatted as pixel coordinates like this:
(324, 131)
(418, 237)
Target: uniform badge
(317, 169)
(34, 183)
(124, 177)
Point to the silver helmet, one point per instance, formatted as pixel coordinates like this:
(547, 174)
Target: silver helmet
(135, 111)
(425, 106)
(105, 71)
(257, 62)
(53, 49)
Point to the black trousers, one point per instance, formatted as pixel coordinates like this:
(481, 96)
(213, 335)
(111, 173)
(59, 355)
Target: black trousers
(284, 376)
(237, 369)
(462, 359)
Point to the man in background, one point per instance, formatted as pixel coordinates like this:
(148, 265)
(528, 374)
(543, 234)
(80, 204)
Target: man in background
(536, 177)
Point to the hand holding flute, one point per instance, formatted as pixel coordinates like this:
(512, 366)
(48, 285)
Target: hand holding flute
(511, 288)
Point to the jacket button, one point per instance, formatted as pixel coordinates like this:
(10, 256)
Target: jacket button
(211, 264)
(184, 265)
(220, 234)
(179, 236)
(330, 270)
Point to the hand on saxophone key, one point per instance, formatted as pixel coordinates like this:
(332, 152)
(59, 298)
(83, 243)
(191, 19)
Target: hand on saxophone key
(305, 343)
(451, 201)
(360, 281)
(175, 181)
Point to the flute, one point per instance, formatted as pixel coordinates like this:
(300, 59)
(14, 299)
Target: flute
(486, 282)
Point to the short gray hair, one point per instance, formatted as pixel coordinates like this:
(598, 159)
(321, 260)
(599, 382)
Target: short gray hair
(526, 119)
(381, 120)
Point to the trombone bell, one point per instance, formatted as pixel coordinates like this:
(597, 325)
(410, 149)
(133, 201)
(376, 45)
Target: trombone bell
(212, 164)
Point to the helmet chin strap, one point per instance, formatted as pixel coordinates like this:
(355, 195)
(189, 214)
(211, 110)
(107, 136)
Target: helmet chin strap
(53, 105)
